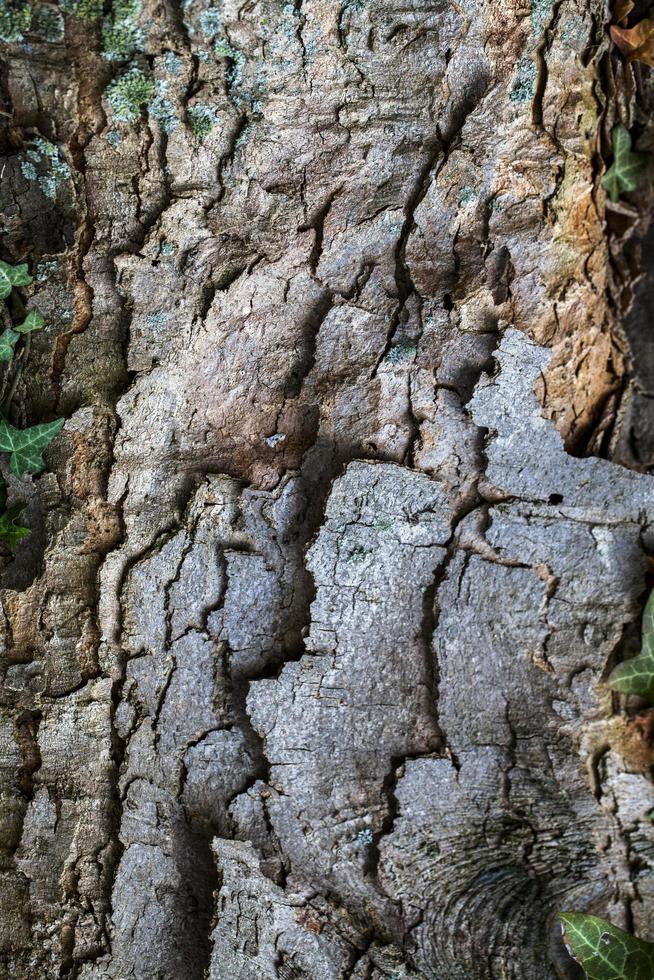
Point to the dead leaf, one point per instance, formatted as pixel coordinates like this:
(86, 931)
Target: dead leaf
(622, 10)
(636, 43)
(15, 137)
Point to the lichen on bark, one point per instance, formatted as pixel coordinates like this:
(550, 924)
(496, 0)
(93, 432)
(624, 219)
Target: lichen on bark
(302, 665)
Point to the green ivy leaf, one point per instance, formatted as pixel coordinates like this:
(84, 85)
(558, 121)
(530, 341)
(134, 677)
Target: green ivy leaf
(636, 676)
(33, 321)
(10, 532)
(8, 339)
(26, 445)
(627, 169)
(12, 275)
(606, 952)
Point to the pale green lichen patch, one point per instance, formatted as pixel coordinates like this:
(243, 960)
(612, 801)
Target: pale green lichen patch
(235, 74)
(45, 271)
(245, 136)
(45, 165)
(223, 49)
(201, 119)
(49, 24)
(121, 34)
(525, 81)
(28, 170)
(467, 195)
(358, 554)
(156, 321)
(400, 353)
(15, 20)
(173, 63)
(129, 94)
(210, 22)
(162, 109)
(86, 9)
(208, 27)
(541, 12)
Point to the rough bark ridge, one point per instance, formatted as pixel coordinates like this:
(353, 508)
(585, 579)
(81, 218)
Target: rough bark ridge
(302, 662)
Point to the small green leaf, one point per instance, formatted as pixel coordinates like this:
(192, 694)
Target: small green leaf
(10, 532)
(33, 321)
(648, 625)
(12, 275)
(606, 952)
(627, 169)
(636, 676)
(8, 339)
(26, 445)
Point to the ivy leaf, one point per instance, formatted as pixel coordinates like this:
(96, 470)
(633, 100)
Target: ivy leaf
(8, 339)
(10, 532)
(627, 169)
(33, 321)
(26, 445)
(636, 676)
(12, 275)
(606, 952)
(635, 43)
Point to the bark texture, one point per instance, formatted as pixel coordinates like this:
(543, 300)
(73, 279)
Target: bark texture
(303, 662)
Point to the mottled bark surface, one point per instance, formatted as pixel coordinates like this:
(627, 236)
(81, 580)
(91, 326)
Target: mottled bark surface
(303, 663)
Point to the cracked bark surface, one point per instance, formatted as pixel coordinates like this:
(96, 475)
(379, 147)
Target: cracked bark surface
(303, 663)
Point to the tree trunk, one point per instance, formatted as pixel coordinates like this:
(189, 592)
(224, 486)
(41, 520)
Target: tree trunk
(304, 659)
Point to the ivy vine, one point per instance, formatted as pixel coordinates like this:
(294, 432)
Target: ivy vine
(603, 950)
(23, 446)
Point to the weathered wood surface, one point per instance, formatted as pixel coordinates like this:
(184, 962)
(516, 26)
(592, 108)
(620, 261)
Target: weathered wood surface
(303, 663)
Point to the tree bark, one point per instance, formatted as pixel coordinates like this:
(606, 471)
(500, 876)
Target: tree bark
(304, 660)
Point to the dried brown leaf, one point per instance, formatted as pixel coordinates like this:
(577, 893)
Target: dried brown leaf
(622, 10)
(636, 43)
